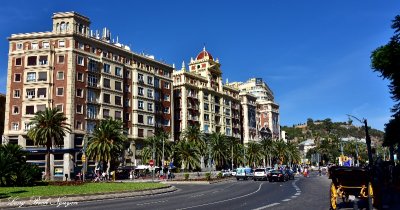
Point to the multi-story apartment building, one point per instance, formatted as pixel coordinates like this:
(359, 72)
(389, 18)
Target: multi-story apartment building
(201, 99)
(248, 117)
(2, 112)
(89, 77)
(267, 110)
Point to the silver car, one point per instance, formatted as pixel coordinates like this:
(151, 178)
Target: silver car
(260, 174)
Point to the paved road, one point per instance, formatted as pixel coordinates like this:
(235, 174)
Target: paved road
(301, 193)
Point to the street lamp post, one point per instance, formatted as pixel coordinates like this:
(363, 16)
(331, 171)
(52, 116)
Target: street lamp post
(367, 138)
(162, 164)
(154, 151)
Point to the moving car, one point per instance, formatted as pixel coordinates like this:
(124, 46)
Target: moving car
(278, 175)
(234, 172)
(244, 173)
(290, 174)
(260, 174)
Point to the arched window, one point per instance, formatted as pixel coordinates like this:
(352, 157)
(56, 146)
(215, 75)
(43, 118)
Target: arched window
(57, 27)
(67, 26)
(62, 26)
(80, 28)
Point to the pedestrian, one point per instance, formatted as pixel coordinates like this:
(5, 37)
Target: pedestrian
(306, 172)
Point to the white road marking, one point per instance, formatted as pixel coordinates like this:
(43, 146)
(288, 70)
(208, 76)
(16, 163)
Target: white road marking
(297, 194)
(267, 206)
(141, 204)
(207, 204)
(294, 196)
(286, 199)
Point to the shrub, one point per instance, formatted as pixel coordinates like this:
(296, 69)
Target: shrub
(208, 176)
(186, 176)
(219, 175)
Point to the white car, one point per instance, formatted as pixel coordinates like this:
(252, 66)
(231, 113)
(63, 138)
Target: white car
(233, 172)
(260, 174)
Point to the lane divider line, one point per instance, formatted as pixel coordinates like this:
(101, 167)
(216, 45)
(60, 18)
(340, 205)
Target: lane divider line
(216, 202)
(267, 206)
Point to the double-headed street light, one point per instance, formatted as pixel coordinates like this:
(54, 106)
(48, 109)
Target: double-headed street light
(367, 138)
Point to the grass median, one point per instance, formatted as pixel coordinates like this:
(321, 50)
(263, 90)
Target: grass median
(87, 188)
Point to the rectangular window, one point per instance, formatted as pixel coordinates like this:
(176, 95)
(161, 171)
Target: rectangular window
(140, 77)
(79, 76)
(166, 97)
(42, 92)
(43, 60)
(118, 115)
(30, 110)
(60, 91)
(61, 59)
(40, 107)
(106, 83)
(17, 77)
(150, 93)
(46, 44)
(206, 117)
(80, 60)
(228, 121)
(79, 93)
(79, 109)
(92, 80)
(118, 71)
(140, 118)
(42, 76)
(32, 60)
(30, 93)
(205, 106)
(60, 75)
(15, 126)
(118, 85)
(118, 100)
(19, 46)
(140, 104)
(156, 82)
(106, 98)
(61, 43)
(166, 85)
(78, 125)
(16, 94)
(18, 61)
(150, 120)
(106, 113)
(92, 66)
(140, 132)
(81, 46)
(35, 46)
(106, 68)
(31, 77)
(140, 91)
(166, 110)
(150, 107)
(59, 107)
(150, 80)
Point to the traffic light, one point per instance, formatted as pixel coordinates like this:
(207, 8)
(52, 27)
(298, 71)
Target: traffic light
(83, 158)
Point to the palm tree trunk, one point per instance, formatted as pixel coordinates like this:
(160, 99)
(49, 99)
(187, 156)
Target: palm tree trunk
(108, 168)
(202, 166)
(47, 163)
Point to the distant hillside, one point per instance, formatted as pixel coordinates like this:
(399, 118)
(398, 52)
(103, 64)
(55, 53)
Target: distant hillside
(326, 128)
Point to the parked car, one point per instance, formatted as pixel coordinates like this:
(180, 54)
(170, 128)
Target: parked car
(233, 172)
(225, 173)
(290, 173)
(260, 174)
(278, 175)
(244, 173)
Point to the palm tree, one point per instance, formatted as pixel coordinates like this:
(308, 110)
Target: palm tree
(107, 142)
(194, 134)
(231, 143)
(280, 150)
(268, 148)
(293, 153)
(188, 153)
(218, 146)
(254, 153)
(48, 128)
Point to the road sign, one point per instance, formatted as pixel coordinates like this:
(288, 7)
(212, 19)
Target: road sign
(151, 163)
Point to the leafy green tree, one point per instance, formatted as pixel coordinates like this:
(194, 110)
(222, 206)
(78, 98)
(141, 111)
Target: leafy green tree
(188, 154)
(280, 150)
(231, 143)
(48, 129)
(386, 60)
(107, 142)
(293, 153)
(219, 148)
(268, 148)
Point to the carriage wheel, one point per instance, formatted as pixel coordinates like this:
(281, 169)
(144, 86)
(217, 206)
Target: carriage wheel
(334, 195)
(370, 196)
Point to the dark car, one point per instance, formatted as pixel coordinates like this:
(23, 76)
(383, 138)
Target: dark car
(278, 175)
(290, 174)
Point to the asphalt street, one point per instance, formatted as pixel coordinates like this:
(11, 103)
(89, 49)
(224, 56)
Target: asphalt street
(301, 193)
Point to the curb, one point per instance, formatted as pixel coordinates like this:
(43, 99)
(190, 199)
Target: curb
(71, 200)
(198, 182)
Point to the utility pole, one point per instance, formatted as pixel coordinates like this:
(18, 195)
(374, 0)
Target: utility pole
(154, 154)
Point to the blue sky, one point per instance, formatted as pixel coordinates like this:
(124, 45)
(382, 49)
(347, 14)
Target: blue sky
(315, 55)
